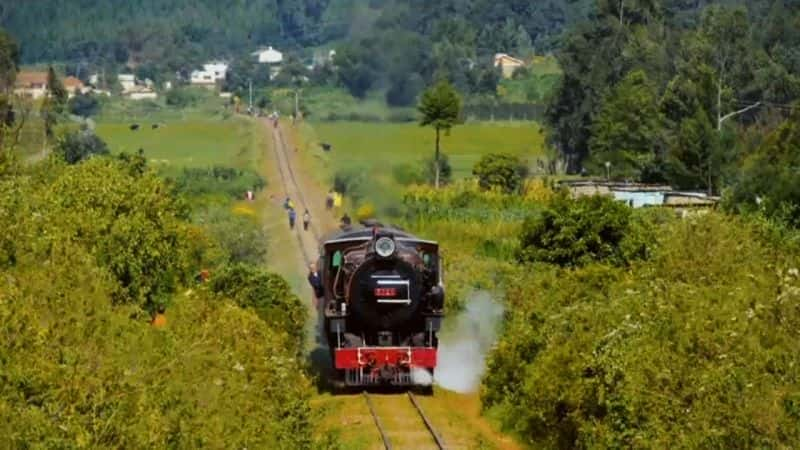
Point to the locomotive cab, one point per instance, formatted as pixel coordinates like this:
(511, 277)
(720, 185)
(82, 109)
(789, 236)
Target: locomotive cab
(384, 304)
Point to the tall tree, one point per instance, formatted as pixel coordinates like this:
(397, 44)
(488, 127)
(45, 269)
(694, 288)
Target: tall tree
(54, 102)
(9, 61)
(627, 131)
(440, 107)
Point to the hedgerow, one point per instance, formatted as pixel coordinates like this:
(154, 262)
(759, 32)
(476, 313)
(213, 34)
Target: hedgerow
(85, 251)
(693, 347)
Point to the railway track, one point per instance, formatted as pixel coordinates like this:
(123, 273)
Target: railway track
(387, 444)
(292, 189)
(308, 246)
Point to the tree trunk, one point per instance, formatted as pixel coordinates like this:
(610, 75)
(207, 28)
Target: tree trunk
(436, 161)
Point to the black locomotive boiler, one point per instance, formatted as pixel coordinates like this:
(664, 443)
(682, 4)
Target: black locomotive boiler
(383, 306)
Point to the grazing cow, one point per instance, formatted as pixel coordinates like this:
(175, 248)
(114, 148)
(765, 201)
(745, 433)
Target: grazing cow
(134, 127)
(325, 146)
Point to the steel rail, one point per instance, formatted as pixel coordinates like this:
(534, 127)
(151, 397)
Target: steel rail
(387, 444)
(285, 182)
(428, 424)
(302, 198)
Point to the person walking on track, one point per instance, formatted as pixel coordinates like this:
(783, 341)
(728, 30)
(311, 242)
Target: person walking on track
(306, 220)
(292, 218)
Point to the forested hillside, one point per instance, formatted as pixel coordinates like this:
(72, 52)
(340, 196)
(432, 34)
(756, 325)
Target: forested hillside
(678, 95)
(177, 32)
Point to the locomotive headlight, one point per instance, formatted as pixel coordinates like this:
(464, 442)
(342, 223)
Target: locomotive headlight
(384, 247)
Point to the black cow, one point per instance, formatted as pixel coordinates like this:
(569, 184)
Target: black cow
(325, 146)
(134, 127)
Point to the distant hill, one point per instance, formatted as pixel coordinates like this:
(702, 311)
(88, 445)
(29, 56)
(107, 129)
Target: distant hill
(177, 33)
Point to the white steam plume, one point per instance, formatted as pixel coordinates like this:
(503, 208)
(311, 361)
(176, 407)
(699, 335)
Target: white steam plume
(464, 344)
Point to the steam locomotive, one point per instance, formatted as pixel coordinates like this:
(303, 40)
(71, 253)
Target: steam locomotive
(383, 306)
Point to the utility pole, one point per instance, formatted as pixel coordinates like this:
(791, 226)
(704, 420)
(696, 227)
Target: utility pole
(250, 108)
(296, 103)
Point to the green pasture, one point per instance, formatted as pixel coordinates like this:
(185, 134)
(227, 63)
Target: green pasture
(191, 143)
(376, 149)
(379, 146)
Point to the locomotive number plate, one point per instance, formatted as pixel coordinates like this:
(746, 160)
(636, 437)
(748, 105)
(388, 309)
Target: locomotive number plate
(385, 292)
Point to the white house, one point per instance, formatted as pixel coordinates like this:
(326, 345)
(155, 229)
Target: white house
(212, 72)
(127, 81)
(268, 56)
(507, 63)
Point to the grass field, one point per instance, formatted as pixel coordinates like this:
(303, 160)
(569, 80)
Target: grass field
(376, 148)
(188, 143)
(378, 145)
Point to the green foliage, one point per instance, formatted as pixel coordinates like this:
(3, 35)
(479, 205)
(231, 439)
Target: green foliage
(626, 131)
(440, 106)
(269, 295)
(768, 181)
(500, 171)
(355, 69)
(577, 232)
(76, 146)
(240, 236)
(216, 376)
(83, 248)
(125, 220)
(351, 181)
(9, 60)
(217, 180)
(182, 97)
(692, 348)
(84, 105)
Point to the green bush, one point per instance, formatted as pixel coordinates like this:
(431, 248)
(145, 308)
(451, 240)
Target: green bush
(182, 97)
(217, 180)
(127, 221)
(500, 171)
(76, 146)
(695, 347)
(241, 237)
(80, 366)
(84, 105)
(576, 232)
(351, 181)
(269, 295)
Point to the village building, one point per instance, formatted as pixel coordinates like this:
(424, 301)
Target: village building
(212, 73)
(268, 56)
(638, 195)
(74, 86)
(507, 64)
(31, 84)
(142, 93)
(127, 81)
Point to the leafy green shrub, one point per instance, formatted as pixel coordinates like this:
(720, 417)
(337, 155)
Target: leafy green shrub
(84, 105)
(351, 181)
(575, 232)
(182, 97)
(81, 370)
(269, 295)
(501, 171)
(694, 347)
(127, 221)
(769, 181)
(76, 146)
(407, 174)
(217, 180)
(241, 237)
